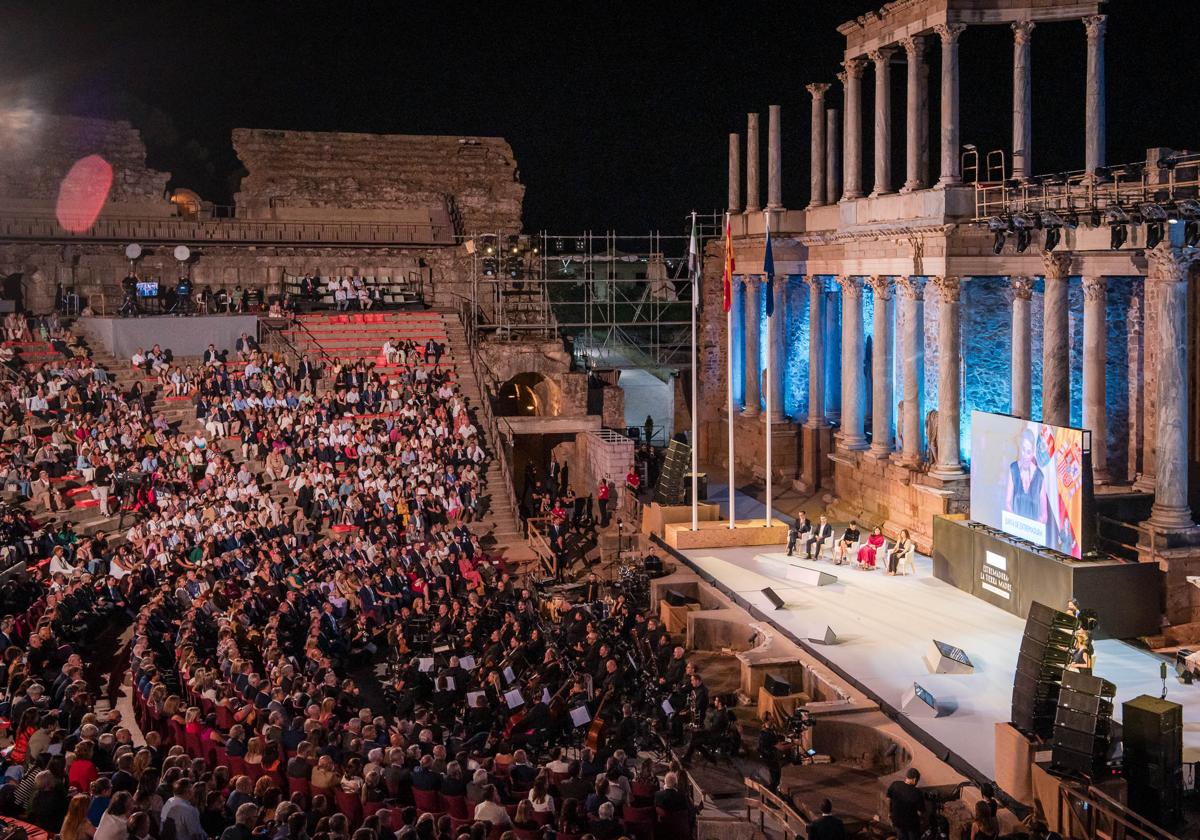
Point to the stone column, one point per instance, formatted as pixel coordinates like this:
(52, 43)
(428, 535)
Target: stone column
(833, 154)
(948, 464)
(752, 152)
(816, 181)
(852, 136)
(753, 365)
(914, 50)
(1169, 274)
(735, 173)
(774, 161)
(1022, 120)
(1094, 110)
(882, 403)
(1056, 350)
(1022, 347)
(951, 162)
(883, 119)
(816, 353)
(778, 348)
(924, 124)
(911, 294)
(833, 354)
(853, 378)
(1095, 357)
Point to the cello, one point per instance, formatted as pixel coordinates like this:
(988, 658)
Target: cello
(595, 733)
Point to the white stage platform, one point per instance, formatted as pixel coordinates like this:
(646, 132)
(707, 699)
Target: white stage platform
(885, 625)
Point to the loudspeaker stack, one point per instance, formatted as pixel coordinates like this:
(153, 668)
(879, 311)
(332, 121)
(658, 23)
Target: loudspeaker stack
(1152, 731)
(1082, 725)
(1045, 654)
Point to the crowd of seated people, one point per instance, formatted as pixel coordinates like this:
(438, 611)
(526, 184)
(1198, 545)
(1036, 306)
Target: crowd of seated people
(256, 618)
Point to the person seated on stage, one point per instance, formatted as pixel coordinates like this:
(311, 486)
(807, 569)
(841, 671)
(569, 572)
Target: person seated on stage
(800, 526)
(866, 554)
(712, 734)
(820, 534)
(904, 549)
(849, 540)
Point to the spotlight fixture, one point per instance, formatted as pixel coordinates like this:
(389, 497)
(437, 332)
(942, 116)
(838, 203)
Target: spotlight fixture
(1094, 218)
(1156, 223)
(1053, 225)
(1024, 223)
(998, 225)
(489, 267)
(1118, 224)
(1189, 213)
(1072, 220)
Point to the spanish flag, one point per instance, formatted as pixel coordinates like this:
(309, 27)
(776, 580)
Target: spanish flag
(727, 279)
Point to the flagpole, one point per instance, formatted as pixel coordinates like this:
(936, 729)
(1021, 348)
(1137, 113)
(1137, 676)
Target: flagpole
(695, 400)
(770, 353)
(729, 380)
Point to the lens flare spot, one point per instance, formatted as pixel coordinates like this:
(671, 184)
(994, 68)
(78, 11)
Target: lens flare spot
(82, 193)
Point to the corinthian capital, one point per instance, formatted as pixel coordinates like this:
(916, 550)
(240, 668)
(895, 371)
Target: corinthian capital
(854, 67)
(1022, 29)
(852, 286)
(1095, 288)
(949, 287)
(882, 55)
(1095, 26)
(817, 89)
(949, 32)
(1169, 264)
(911, 287)
(1057, 263)
(1021, 287)
(881, 286)
(914, 47)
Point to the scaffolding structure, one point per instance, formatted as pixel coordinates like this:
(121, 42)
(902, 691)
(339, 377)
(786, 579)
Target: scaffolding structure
(618, 301)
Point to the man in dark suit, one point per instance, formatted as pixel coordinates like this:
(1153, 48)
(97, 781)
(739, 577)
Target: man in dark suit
(800, 526)
(827, 826)
(821, 534)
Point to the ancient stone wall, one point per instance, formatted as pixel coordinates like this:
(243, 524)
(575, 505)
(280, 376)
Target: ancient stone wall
(474, 178)
(37, 151)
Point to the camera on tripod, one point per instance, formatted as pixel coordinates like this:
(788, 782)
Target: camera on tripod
(798, 723)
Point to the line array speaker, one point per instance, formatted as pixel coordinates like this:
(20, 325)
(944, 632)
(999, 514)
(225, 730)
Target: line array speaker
(1044, 655)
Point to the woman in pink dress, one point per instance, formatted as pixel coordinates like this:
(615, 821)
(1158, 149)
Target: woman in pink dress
(866, 554)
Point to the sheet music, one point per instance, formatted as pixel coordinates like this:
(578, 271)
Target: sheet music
(467, 663)
(473, 698)
(509, 676)
(667, 708)
(580, 716)
(449, 683)
(546, 696)
(425, 664)
(513, 698)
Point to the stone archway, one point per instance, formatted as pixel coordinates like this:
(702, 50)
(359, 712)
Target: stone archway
(528, 394)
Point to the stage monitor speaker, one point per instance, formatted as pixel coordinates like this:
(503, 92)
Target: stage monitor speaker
(677, 599)
(775, 600)
(808, 575)
(942, 658)
(919, 702)
(822, 635)
(776, 685)
(1153, 757)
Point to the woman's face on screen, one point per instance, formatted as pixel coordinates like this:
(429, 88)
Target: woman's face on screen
(1026, 451)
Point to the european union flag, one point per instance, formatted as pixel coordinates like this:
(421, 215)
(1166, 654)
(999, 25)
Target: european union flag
(769, 270)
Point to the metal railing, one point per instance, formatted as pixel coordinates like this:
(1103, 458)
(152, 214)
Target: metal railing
(766, 803)
(178, 230)
(325, 356)
(272, 340)
(1127, 187)
(486, 415)
(1090, 814)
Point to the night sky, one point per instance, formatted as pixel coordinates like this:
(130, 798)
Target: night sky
(618, 113)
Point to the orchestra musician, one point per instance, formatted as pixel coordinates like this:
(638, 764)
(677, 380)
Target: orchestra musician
(712, 733)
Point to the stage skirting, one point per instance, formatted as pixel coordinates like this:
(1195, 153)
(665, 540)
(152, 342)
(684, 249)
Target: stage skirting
(187, 336)
(1012, 575)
